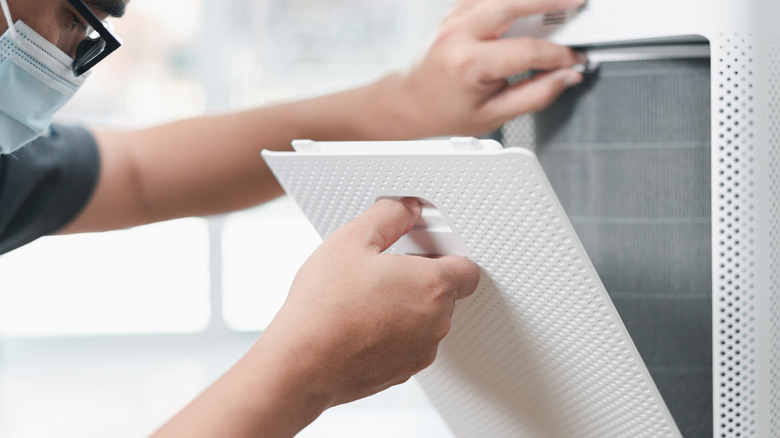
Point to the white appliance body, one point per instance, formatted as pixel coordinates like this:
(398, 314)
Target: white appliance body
(744, 42)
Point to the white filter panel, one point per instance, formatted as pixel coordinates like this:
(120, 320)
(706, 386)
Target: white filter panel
(539, 350)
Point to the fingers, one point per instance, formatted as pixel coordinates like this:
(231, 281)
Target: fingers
(492, 18)
(460, 273)
(504, 58)
(385, 222)
(531, 95)
(381, 225)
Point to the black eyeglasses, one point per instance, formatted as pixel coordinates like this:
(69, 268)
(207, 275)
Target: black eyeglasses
(95, 47)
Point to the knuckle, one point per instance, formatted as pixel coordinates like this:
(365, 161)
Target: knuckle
(442, 330)
(428, 358)
(461, 61)
(440, 285)
(404, 378)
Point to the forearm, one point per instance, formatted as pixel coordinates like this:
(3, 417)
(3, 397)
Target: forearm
(268, 394)
(383, 110)
(212, 164)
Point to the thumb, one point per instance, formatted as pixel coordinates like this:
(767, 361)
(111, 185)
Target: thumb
(461, 273)
(382, 224)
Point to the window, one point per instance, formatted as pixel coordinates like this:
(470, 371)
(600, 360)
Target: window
(147, 279)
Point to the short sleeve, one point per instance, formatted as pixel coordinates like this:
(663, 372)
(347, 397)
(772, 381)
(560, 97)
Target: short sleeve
(45, 184)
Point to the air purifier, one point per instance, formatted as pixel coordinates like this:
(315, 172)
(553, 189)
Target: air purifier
(667, 162)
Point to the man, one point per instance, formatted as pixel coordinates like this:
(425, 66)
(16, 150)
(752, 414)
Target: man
(351, 326)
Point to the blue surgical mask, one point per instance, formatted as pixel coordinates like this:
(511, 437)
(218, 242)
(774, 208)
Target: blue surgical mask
(36, 80)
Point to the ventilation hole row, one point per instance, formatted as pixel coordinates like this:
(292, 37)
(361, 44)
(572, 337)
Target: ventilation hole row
(734, 234)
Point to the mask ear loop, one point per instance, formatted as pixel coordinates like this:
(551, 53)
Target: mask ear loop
(7, 14)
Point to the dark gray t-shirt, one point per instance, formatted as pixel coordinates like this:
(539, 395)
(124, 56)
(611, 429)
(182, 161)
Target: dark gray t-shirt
(45, 184)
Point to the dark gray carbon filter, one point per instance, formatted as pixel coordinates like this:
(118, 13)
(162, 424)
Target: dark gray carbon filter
(628, 153)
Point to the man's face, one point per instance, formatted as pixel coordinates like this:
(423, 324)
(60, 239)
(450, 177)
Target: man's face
(58, 21)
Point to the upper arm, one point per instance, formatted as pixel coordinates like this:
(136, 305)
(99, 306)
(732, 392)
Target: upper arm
(45, 184)
(116, 202)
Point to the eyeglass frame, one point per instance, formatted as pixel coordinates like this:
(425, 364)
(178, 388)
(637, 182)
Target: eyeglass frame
(111, 41)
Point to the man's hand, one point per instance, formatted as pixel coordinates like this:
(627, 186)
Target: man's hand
(356, 321)
(368, 320)
(460, 84)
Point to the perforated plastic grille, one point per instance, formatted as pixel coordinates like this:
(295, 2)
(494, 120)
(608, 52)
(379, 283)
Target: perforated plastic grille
(539, 350)
(774, 231)
(734, 298)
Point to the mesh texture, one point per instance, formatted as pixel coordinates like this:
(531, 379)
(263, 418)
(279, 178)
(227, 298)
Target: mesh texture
(538, 350)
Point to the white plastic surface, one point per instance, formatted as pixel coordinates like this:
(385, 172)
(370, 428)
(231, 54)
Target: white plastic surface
(744, 41)
(642, 53)
(463, 144)
(615, 21)
(539, 350)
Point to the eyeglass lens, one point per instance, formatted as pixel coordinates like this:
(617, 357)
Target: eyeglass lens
(88, 50)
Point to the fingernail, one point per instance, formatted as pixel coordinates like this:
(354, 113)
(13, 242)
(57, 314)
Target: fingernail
(569, 77)
(581, 58)
(588, 67)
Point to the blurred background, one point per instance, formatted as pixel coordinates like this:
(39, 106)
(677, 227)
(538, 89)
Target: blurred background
(111, 334)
